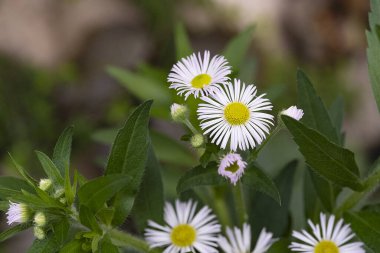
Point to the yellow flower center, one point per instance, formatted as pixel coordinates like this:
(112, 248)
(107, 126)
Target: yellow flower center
(236, 113)
(326, 247)
(183, 235)
(233, 167)
(200, 81)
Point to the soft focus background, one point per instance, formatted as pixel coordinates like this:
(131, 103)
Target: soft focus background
(55, 59)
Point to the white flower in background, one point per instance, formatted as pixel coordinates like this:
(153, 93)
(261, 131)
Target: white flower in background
(185, 230)
(232, 166)
(178, 112)
(239, 241)
(17, 213)
(199, 76)
(236, 116)
(327, 237)
(293, 112)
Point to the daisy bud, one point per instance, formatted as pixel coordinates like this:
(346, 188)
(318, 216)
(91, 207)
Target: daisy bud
(179, 112)
(39, 233)
(45, 184)
(197, 140)
(293, 112)
(17, 213)
(232, 167)
(59, 192)
(40, 219)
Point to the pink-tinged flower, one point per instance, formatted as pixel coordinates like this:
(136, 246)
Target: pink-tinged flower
(232, 167)
(17, 213)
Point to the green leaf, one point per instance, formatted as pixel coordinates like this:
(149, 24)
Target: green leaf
(69, 191)
(200, 176)
(87, 218)
(23, 172)
(336, 113)
(47, 245)
(96, 192)
(13, 231)
(142, 87)
(280, 246)
(332, 162)
(73, 246)
(237, 48)
(62, 150)
(366, 226)
(265, 212)
(106, 246)
(373, 50)
(128, 157)
(182, 43)
(61, 230)
(257, 180)
(13, 183)
(50, 169)
(149, 203)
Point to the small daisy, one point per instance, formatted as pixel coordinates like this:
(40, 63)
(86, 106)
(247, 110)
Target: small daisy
(17, 213)
(328, 237)
(293, 112)
(239, 241)
(197, 76)
(185, 230)
(236, 116)
(232, 166)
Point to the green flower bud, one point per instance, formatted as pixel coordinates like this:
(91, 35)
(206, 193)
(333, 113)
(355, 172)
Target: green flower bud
(197, 140)
(45, 184)
(58, 193)
(179, 112)
(40, 219)
(39, 233)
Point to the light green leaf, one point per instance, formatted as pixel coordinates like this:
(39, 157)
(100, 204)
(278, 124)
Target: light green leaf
(373, 50)
(23, 172)
(13, 183)
(106, 246)
(61, 230)
(13, 231)
(73, 246)
(87, 218)
(149, 203)
(48, 245)
(142, 87)
(257, 180)
(62, 150)
(69, 191)
(332, 162)
(366, 226)
(96, 192)
(200, 176)
(50, 169)
(237, 48)
(182, 43)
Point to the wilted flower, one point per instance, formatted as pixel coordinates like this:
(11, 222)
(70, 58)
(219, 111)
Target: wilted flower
(232, 167)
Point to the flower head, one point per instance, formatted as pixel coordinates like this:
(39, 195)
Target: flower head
(239, 241)
(45, 184)
(39, 233)
(327, 237)
(236, 116)
(179, 112)
(197, 140)
(199, 76)
(293, 112)
(185, 230)
(232, 166)
(40, 219)
(17, 213)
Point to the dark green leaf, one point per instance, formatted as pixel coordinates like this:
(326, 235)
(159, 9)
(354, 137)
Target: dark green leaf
(50, 169)
(13, 183)
(182, 43)
(373, 50)
(257, 180)
(313, 205)
(69, 192)
(88, 219)
(149, 203)
(48, 245)
(62, 150)
(13, 231)
(95, 193)
(237, 48)
(281, 246)
(366, 226)
(106, 246)
(200, 176)
(336, 113)
(73, 246)
(23, 172)
(61, 230)
(324, 157)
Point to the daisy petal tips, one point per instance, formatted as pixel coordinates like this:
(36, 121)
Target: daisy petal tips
(329, 236)
(293, 112)
(199, 76)
(235, 116)
(185, 230)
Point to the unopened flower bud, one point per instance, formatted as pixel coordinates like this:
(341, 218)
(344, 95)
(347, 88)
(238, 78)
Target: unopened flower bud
(197, 140)
(58, 193)
(45, 184)
(40, 219)
(39, 233)
(63, 200)
(179, 112)
(293, 112)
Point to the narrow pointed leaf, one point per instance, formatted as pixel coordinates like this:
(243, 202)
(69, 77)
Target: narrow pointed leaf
(50, 169)
(13, 231)
(62, 150)
(182, 43)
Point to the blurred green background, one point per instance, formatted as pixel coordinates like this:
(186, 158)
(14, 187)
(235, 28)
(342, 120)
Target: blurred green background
(87, 63)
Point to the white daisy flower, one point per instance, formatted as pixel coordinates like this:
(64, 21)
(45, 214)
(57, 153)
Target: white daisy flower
(327, 237)
(293, 112)
(185, 230)
(232, 166)
(17, 213)
(239, 241)
(197, 76)
(235, 115)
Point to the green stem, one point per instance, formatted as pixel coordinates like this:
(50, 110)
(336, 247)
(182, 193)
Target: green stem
(190, 126)
(256, 152)
(240, 203)
(351, 201)
(122, 239)
(221, 207)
